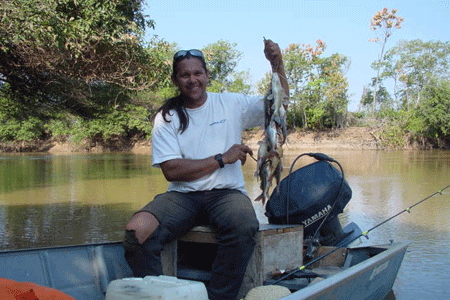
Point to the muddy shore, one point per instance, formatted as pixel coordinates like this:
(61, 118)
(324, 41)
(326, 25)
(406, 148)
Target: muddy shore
(346, 138)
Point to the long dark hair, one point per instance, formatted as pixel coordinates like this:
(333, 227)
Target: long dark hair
(177, 103)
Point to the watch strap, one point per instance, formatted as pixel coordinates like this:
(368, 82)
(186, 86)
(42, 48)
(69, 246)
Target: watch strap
(219, 159)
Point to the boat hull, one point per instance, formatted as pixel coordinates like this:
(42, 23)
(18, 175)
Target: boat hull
(372, 278)
(84, 271)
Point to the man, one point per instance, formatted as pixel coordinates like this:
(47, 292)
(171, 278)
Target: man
(196, 142)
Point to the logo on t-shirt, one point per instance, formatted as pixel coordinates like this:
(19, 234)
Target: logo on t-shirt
(218, 122)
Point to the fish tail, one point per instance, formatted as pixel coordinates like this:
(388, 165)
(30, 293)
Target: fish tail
(284, 131)
(277, 119)
(261, 198)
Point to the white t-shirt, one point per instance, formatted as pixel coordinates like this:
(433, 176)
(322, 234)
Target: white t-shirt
(213, 128)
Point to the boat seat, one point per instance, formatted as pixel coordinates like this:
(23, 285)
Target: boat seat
(277, 247)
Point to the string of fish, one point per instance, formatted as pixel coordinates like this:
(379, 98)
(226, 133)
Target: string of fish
(270, 152)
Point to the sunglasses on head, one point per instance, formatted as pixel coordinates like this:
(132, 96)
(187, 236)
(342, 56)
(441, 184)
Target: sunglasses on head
(184, 53)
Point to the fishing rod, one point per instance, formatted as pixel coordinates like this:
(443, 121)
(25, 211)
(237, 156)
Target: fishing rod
(365, 234)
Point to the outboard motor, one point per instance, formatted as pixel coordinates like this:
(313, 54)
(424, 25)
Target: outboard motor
(312, 196)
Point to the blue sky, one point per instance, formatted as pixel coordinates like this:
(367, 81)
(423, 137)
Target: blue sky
(342, 25)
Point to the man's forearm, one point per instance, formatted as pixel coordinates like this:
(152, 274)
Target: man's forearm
(188, 169)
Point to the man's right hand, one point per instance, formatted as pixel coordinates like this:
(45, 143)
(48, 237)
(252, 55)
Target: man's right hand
(235, 153)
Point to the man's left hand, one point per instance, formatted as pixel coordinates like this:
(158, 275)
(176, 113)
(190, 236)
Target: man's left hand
(273, 54)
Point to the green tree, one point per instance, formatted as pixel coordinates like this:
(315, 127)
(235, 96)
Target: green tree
(388, 71)
(239, 83)
(222, 59)
(335, 89)
(299, 61)
(421, 70)
(383, 22)
(63, 54)
(417, 65)
(383, 97)
(319, 86)
(162, 53)
(263, 85)
(434, 109)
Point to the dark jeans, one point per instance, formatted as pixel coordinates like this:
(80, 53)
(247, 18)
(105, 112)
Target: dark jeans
(229, 212)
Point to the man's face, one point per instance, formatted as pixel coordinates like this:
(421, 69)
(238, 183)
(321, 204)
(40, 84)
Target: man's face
(191, 80)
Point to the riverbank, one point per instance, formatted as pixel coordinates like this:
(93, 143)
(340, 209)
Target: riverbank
(358, 138)
(346, 138)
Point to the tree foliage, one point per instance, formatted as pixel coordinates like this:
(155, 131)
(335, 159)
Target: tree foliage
(385, 100)
(383, 22)
(106, 111)
(434, 109)
(222, 58)
(421, 76)
(414, 65)
(162, 53)
(418, 64)
(318, 86)
(80, 70)
(65, 53)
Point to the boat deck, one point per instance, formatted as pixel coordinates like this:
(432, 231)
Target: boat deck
(81, 271)
(85, 271)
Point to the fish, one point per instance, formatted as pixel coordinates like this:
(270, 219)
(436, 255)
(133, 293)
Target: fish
(275, 168)
(279, 112)
(268, 167)
(271, 136)
(262, 152)
(265, 183)
(269, 163)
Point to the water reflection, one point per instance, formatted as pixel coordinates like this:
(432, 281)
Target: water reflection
(31, 226)
(59, 200)
(75, 199)
(40, 186)
(18, 172)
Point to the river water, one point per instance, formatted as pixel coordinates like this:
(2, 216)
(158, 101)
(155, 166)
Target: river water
(48, 200)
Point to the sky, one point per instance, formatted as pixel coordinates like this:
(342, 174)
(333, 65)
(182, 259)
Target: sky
(343, 25)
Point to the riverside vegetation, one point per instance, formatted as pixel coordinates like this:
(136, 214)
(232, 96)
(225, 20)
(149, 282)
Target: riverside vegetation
(80, 73)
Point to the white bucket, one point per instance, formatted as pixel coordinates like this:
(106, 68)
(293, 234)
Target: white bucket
(156, 287)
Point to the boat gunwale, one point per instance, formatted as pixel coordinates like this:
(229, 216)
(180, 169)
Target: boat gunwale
(353, 271)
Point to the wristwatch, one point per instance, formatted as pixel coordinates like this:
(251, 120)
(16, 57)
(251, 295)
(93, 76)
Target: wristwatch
(219, 159)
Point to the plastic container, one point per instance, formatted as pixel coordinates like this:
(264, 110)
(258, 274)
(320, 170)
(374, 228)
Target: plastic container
(156, 287)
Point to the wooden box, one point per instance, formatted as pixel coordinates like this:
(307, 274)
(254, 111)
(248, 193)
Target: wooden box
(278, 247)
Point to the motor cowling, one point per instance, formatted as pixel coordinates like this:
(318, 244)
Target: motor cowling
(309, 195)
